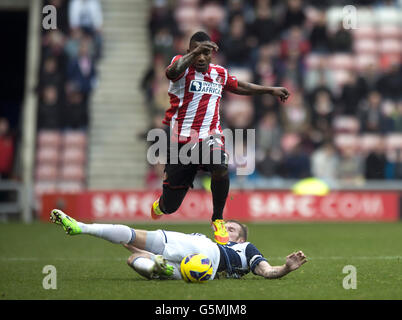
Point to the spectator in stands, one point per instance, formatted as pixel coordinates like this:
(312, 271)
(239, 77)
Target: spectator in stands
(87, 15)
(161, 17)
(390, 83)
(397, 117)
(319, 38)
(53, 46)
(295, 43)
(296, 117)
(296, 163)
(294, 15)
(353, 91)
(6, 150)
(81, 71)
(49, 111)
(351, 167)
(163, 44)
(235, 44)
(264, 28)
(341, 40)
(371, 115)
(75, 111)
(268, 133)
(51, 75)
(324, 162)
(323, 110)
(375, 163)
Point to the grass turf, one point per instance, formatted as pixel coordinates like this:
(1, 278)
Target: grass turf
(91, 268)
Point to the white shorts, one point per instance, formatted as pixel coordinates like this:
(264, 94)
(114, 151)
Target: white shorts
(176, 245)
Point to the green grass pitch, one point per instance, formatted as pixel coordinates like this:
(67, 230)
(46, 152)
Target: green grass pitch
(91, 268)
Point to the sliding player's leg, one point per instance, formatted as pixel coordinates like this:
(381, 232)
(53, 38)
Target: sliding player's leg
(147, 264)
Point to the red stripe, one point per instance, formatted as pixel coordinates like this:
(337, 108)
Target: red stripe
(174, 104)
(188, 96)
(212, 127)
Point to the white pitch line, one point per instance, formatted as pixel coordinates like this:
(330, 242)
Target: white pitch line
(22, 259)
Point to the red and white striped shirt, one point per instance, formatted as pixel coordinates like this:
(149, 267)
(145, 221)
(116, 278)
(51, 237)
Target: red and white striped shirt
(194, 100)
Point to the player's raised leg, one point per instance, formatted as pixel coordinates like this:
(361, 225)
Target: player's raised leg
(115, 233)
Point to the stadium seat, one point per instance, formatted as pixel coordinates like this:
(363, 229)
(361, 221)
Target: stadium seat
(364, 32)
(72, 173)
(393, 144)
(315, 61)
(41, 187)
(390, 32)
(341, 62)
(346, 140)
(365, 46)
(46, 172)
(72, 155)
(340, 77)
(362, 61)
(391, 46)
(369, 142)
(187, 18)
(49, 138)
(70, 186)
(49, 155)
(346, 124)
(76, 139)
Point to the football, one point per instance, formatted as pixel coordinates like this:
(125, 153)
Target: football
(196, 268)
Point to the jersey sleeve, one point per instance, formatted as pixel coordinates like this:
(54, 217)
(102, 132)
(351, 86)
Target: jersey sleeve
(175, 58)
(253, 256)
(231, 83)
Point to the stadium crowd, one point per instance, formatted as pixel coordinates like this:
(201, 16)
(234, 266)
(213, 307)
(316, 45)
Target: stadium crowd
(343, 120)
(69, 57)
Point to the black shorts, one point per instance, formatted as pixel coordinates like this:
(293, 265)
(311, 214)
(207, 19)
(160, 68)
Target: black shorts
(184, 162)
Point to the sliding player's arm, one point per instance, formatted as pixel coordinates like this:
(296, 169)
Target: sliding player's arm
(248, 89)
(293, 262)
(180, 65)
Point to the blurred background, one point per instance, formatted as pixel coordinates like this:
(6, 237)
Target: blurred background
(76, 104)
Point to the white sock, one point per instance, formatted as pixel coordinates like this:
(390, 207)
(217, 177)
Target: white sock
(143, 266)
(115, 233)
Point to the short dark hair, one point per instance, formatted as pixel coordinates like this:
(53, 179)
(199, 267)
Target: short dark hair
(200, 36)
(243, 229)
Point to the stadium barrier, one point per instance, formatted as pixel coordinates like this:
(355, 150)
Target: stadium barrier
(248, 206)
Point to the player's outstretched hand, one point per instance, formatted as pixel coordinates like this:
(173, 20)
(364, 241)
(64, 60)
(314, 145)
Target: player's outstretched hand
(206, 45)
(295, 260)
(281, 92)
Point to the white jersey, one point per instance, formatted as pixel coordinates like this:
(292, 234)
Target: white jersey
(194, 100)
(178, 245)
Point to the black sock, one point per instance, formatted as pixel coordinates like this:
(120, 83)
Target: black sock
(220, 190)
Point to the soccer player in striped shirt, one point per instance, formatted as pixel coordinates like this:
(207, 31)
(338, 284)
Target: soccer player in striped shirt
(195, 91)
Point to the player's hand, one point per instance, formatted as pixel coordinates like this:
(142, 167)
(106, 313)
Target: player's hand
(295, 260)
(206, 45)
(281, 92)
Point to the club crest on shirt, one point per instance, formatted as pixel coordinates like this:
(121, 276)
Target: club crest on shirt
(205, 87)
(219, 79)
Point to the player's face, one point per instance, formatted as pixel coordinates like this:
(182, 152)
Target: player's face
(234, 231)
(202, 61)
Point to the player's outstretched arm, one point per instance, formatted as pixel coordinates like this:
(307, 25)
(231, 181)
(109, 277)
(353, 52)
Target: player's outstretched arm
(181, 64)
(293, 262)
(248, 89)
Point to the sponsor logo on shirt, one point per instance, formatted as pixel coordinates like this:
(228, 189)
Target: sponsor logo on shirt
(204, 87)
